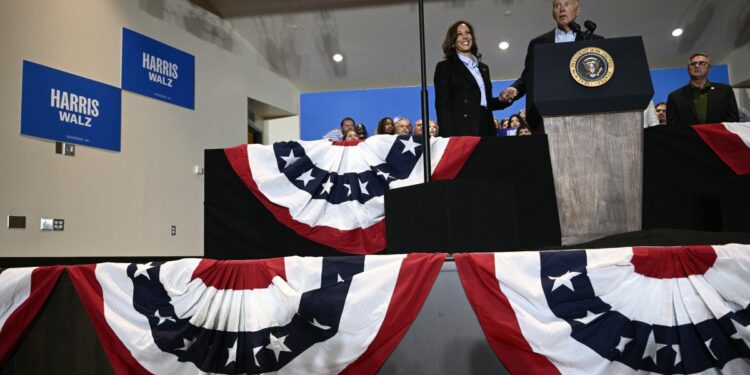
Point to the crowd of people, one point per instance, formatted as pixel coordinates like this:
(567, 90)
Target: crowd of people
(515, 125)
(464, 100)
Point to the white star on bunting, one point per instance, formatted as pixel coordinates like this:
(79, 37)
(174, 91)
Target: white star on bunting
(410, 146)
(363, 187)
(306, 177)
(277, 345)
(678, 355)
(651, 347)
(186, 344)
(255, 355)
(743, 332)
(624, 341)
(589, 317)
(162, 319)
(142, 268)
(348, 190)
(232, 353)
(327, 186)
(321, 326)
(564, 280)
(290, 159)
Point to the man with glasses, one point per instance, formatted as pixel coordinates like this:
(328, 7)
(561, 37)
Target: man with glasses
(701, 101)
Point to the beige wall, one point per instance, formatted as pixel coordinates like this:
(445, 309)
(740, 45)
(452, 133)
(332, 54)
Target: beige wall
(122, 203)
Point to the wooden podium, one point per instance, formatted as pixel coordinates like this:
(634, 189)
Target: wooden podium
(591, 95)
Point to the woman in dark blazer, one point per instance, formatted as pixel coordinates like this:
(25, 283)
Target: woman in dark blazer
(460, 80)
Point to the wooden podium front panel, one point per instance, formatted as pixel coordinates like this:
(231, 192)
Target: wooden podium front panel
(597, 165)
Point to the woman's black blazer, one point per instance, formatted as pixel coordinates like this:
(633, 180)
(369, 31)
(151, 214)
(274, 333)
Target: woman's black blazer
(457, 100)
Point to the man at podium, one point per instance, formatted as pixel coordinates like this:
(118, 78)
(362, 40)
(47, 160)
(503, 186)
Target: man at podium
(564, 13)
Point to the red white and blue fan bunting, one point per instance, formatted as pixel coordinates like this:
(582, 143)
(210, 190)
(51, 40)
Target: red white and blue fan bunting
(730, 141)
(333, 193)
(291, 315)
(23, 291)
(681, 310)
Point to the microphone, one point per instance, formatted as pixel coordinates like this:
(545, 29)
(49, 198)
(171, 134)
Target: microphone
(590, 28)
(575, 27)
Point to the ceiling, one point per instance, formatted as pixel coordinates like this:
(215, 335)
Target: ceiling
(379, 39)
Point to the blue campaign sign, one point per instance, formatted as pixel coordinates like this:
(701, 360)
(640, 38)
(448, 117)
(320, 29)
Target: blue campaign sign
(154, 69)
(65, 107)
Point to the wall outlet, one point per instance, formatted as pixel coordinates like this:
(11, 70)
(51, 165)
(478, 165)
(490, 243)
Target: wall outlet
(56, 225)
(64, 148)
(173, 230)
(46, 224)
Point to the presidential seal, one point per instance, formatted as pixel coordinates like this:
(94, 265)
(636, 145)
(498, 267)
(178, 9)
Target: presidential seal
(592, 67)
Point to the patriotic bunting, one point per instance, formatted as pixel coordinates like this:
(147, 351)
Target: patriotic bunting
(291, 315)
(333, 193)
(681, 310)
(730, 141)
(23, 291)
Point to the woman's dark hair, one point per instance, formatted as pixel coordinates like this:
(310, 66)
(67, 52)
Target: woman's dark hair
(381, 125)
(361, 130)
(520, 121)
(449, 43)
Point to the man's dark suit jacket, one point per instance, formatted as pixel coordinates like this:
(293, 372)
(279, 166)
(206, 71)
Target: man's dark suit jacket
(722, 106)
(458, 100)
(525, 83)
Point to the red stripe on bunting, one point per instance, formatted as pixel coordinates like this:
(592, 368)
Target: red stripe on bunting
(496, 316)
(356, 241)
(239, 274)
(454, 157)
(728, 146)
(43, 280)
(415, 279)
(673, 262)
(90, 293)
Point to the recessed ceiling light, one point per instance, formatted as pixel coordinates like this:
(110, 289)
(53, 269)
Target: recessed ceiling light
(504, 45)
(677, 32)
(338, 58)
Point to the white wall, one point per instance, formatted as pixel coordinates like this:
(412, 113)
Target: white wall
(122, 203)
(739, 71)
(281, 129)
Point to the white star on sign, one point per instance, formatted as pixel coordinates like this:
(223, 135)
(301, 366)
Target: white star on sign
(743, 332)
(363, 187)
(142, 268)
(306, 177)
(277, 345)
(231, 354)
(624, 341)
(290, 159)
(678, 355)
(589, 317)
(327, 186)
(321, 326)
(186, 344)
(162, 319)
(564, 280)
(348, 189)
(410, 146)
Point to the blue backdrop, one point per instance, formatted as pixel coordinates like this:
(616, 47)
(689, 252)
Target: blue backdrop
(321, 112)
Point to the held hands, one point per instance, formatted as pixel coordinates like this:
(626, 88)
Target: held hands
(508, 94)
